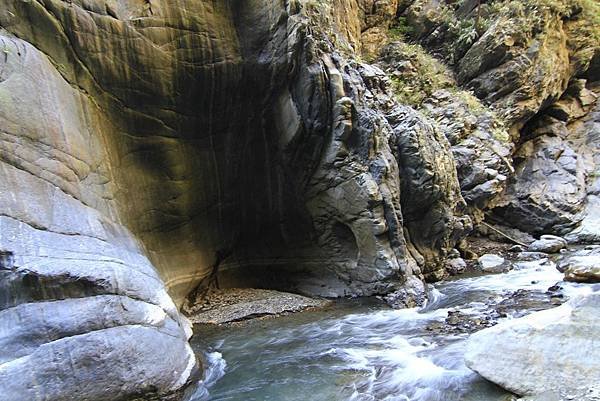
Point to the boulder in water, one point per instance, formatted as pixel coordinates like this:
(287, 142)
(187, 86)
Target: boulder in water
(456, 266)
(582, 266)
(531, 256)
(549, 351)
(491, 263)
(548, 244)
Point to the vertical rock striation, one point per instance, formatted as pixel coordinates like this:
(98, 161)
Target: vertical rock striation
(145, 145)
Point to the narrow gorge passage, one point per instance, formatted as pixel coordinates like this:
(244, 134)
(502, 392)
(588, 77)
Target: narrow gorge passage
(174, 171)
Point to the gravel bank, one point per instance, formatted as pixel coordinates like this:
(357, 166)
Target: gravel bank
(237, 304)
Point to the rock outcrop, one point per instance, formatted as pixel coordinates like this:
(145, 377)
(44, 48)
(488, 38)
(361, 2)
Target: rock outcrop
(150, 149)
(535, 64)
(551, 351)
(147, 146)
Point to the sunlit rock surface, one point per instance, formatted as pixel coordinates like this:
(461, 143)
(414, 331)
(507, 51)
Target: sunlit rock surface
(549, 351)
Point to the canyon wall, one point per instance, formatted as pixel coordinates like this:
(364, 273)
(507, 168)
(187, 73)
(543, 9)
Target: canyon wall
(148, 147)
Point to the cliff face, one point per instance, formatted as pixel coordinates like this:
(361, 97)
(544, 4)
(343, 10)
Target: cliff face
(146, 146)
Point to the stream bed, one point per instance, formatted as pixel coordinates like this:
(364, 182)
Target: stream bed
(361, 350)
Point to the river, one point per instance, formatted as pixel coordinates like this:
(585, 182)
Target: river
(361, 350)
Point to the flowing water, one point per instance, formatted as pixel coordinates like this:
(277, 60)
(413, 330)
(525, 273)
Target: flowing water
(361, 350)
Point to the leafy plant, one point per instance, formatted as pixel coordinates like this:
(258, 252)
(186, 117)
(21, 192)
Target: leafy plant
(400, 29)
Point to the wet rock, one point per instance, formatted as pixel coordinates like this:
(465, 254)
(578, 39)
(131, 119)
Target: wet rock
(456, 266)
(530, 356)
(514, 305)
(581, 266)
(548, 244)
(516, 249)
(411, 296)
(590, 392)
(531, 256)
(524, 302)
(458, 322)
(491, 263)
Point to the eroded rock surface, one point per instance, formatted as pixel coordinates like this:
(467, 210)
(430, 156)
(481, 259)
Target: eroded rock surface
(149, 148)
(146, 146)
(238, 304)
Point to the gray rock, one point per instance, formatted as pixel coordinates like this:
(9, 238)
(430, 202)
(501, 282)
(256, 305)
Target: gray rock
(237, 304)
(480, 146)
(456, 266)
(516, 249)
(556, 185)
(130, 191)
(532, 355)
(588, 232)
(411, 296)
(582, 266)
(531, 256)
(7, 260)
(491, 263)
(548, 244)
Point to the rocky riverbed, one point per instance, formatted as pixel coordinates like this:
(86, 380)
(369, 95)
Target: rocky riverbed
(363, 350)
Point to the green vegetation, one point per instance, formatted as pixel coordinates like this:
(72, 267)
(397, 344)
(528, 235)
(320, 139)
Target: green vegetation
(530, 17)
(400, 29)
(418, 74)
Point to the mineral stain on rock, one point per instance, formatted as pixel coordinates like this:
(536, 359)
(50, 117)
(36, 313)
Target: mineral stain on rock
(339, 148)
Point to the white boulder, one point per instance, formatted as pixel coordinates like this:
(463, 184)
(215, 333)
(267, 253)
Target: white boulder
(556, 350)
(491, 263)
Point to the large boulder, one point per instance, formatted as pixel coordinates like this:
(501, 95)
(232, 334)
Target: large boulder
(547, 244)
(582, 266)
(490, 263)
(549, 351)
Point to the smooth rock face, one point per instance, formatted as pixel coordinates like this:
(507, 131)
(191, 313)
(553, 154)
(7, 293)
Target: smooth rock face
(147, 145)
(491, 263)
(549, 351)
(315, 180)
